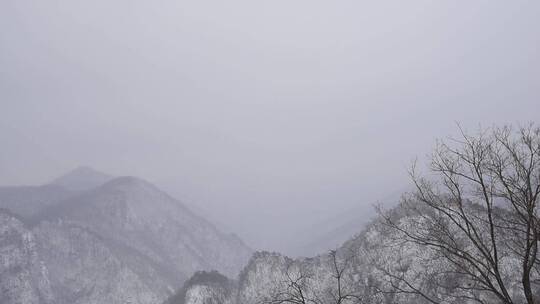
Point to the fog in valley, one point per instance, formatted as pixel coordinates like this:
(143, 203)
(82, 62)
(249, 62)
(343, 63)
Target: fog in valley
(279, 122)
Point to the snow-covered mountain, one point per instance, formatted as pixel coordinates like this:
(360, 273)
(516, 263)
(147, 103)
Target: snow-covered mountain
(23, 276)
(131, 212)
(124, 241)
(375, 267)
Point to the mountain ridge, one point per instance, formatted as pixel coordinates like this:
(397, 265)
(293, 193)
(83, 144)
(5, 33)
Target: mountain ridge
(81, 178)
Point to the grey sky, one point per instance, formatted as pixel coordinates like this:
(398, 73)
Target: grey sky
(257, 111)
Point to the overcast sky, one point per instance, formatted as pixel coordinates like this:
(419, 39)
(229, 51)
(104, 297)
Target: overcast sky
(257, 112)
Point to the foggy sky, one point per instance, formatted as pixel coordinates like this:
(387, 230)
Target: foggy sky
(264, 115)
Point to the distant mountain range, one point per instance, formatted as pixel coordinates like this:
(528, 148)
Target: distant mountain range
(88, 237)
(332, 232)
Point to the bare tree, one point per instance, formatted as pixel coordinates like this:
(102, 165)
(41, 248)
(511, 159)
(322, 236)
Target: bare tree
(295, 289)
(478, 211)
(301, 287)
(341, 291)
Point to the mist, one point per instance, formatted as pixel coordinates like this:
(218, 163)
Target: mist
(265, 117)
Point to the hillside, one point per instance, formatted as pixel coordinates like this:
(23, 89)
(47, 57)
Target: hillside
(376, 266)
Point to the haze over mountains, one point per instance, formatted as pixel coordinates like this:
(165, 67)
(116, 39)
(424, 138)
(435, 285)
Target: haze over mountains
(82, 178)
(326, 232)
(257, 112)
(89, 237)
(122, 240)
(239, 141)
(104, 239)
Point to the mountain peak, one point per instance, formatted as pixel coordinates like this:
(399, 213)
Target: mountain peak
(82, 178)
(128, 182)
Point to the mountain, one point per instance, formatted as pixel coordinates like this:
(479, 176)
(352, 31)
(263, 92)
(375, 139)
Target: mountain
(332, 232)
(376, 266)
(81, 178)
(131, 212)
(28, 201)
(124, 241)
(205, 287)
